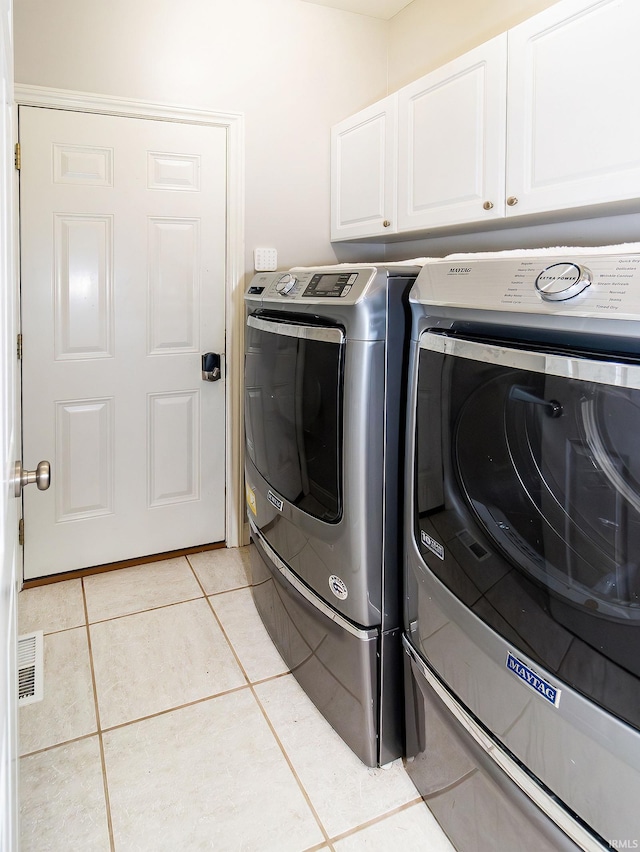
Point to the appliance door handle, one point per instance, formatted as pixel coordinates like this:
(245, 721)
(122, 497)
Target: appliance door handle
(305, 332)
(611, 373)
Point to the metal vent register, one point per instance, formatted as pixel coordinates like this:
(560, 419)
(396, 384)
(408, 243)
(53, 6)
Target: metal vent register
(30, 668)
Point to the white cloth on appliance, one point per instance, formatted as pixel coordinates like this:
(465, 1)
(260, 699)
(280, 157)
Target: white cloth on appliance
(416, 261)
(572, 251)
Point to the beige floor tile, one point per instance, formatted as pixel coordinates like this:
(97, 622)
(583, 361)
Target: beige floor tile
(153, 661)
(222, 570)
(246, 632)
(57, 606)
(67, 710)
(413, 828)
(344, 791)
(141, 587)
(205, 777)
(62, 804)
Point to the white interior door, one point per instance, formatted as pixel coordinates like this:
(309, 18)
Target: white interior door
(123, 239)
(9, 449)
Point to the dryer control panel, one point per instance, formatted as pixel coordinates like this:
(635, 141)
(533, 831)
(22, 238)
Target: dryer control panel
(312, 286)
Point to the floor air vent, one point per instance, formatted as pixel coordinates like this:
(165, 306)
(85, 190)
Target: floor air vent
(30, 668)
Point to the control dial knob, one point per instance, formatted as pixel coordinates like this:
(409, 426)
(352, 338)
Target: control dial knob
(562, 281)
(286, 283)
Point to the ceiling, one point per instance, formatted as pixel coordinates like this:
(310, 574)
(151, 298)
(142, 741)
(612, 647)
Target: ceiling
(384, 9)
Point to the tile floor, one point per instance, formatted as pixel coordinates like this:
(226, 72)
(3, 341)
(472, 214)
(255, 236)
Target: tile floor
(170, 722)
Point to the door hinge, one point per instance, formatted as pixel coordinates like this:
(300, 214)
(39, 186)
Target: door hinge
(21, 532)
(19, 347)
(18, 158)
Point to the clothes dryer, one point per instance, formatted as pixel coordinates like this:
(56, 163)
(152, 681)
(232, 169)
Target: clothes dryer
(325, 378)
(522, 530)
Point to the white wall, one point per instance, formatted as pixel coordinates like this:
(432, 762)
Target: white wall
(426, 34)
(292, 68)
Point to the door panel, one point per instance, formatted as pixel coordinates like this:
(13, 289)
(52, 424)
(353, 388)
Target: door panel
(83, 246)
(84, 441)
(123, 240)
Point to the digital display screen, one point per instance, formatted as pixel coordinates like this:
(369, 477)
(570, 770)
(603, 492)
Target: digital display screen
(330, 284)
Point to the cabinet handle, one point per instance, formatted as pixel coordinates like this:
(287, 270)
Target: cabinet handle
(488, 205)
(512, 201)
(386, 224)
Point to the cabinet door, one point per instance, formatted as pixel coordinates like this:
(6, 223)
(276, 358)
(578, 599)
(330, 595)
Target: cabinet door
(451, 141)
(573, 118)
(363, 172)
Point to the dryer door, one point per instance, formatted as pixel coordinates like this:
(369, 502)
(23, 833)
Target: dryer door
(529, 509)
(293, 411)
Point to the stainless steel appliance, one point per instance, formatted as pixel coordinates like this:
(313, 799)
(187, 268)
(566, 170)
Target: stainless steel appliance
(325, 377)
(522, 530)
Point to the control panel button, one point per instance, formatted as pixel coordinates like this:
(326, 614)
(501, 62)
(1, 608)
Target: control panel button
(562, 281)
(285, 284)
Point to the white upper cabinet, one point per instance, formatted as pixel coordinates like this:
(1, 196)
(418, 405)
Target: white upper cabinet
(451, 142)
(574, 123)
(542, 121)
(363, 172)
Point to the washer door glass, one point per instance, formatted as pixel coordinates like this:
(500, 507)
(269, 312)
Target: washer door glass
(534, 496)
(293, 411)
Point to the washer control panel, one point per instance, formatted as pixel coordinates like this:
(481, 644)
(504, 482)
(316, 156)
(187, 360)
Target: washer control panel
(589, 284)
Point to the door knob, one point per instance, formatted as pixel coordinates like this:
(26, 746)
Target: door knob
(211, 367)
(41, 476)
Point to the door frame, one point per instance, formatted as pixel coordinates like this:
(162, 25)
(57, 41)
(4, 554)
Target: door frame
(233, 124)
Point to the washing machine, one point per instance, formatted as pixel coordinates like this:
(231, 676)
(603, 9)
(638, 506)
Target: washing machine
(522, 530)
(325, 381)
